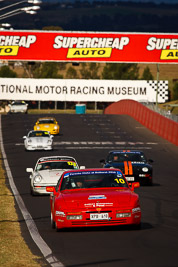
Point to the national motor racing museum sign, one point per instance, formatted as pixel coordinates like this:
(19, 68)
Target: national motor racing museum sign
(88, 46)
(82, 90)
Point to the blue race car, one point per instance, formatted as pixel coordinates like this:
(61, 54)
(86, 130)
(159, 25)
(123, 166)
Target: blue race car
(132, 163)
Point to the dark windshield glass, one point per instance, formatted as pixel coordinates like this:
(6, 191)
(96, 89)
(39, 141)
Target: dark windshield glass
(39, 134)
(121, 157)
(18, 104)
(57, 165)
(97, 180)
(46, 121)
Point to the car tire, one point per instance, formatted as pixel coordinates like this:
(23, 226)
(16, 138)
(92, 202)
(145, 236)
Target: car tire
(150, 183)
(53, 224)
(32, 192)
(136, 226)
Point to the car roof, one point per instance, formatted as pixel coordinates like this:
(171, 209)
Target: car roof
(125, 151)
(56, 158)
(95, 170)
(33, 131)
(47, 118)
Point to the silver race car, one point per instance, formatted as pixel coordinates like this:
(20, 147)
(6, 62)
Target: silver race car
(18, 107)
(38, 140)
(48, 171)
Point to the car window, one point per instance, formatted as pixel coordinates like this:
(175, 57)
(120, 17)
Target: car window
(46, 121)
(121, 157)
(96, 180)
(57, 165)
(39, 134)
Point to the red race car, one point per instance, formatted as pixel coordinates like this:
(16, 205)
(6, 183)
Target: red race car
(94, 197)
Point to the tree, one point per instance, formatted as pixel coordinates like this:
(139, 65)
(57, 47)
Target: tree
(47, 70)
(6, 72)
(71, 73)
(147, 75)
(52, 28)
(89, 71)
(175, 91)
(120, 71)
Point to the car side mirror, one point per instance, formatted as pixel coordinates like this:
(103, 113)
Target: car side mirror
(134, 185)
(51, 189)
(29, 170)
(82, 167)
(24, 137)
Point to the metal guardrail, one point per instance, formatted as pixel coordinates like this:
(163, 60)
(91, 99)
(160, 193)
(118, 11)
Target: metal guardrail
(163, 112)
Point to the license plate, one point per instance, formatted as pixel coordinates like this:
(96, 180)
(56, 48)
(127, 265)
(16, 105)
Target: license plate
(130, 178)
(99, 216)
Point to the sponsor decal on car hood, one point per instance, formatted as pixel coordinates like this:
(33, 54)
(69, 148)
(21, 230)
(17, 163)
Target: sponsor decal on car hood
(84, 199)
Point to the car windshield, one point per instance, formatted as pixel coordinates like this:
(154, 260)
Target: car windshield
(18, 104)
(39, 134)
(93, 179)
(46, 121)
(129, 156)
(56, 165)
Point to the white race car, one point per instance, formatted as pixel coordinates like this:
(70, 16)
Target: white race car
(18, 107)
(48, 171)
(38, 140)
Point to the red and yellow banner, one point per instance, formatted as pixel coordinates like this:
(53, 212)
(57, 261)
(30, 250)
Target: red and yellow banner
(88, 47)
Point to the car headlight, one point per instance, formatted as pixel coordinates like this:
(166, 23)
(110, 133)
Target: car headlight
(135, 210)
(29, 140)
(74, 217)
(145, 169)
(38, 127)
(55, 127)
(123, 213)
(49, 141)
(37, 179)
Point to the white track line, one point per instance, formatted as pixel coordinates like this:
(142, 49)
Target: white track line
(45, 250)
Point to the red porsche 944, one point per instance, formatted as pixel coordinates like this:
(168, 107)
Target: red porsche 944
(94, 197)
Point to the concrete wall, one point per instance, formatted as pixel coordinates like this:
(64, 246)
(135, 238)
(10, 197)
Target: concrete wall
(160, 125)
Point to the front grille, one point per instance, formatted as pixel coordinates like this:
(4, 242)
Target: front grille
(87, 223)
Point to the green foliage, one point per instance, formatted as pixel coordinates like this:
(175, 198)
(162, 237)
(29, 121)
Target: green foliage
(52, 28)
(175, 91)
(71, 73)
(147, 75)
(89, 71)
(120, 71)
(47, 70)
(6, 72)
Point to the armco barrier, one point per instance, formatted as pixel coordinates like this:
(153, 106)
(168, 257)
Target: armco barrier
(157, 123)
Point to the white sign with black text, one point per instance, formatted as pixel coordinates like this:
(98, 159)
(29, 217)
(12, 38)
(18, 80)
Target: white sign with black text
(82, 90)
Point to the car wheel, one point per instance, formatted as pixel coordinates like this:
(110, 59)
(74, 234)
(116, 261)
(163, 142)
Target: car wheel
(53, 224)
(136, 226)
(32, 192)
(150, 183)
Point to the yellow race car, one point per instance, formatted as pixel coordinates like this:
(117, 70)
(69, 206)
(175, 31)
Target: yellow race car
(47, 124)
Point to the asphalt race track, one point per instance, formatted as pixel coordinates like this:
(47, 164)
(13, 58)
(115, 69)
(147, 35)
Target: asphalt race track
(89, 138)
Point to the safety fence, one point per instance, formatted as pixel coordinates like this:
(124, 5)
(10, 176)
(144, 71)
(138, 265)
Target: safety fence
(157, 123)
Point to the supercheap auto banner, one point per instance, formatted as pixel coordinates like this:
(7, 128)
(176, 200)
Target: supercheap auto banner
(82, 90)
(88, 47)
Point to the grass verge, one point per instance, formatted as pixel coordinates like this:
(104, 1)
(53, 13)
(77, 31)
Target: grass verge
(62, 111)
(13, 249)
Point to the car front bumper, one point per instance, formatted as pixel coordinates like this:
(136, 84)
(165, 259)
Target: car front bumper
(63, 222)
(38, 147)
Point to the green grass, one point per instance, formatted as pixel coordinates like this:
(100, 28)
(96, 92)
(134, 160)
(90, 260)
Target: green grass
(13, 249)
